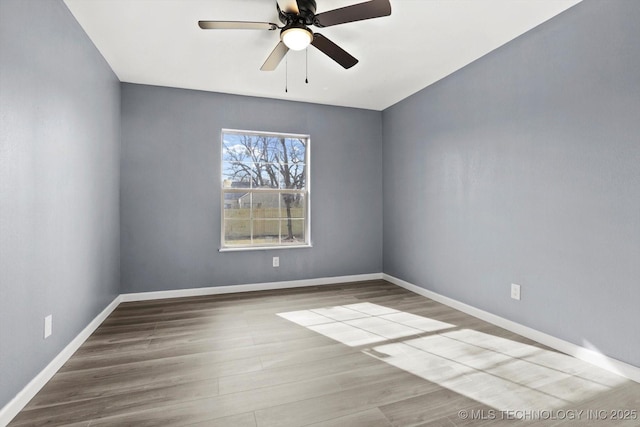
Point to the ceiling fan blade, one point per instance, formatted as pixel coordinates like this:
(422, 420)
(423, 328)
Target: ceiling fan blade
(236, 25)
(333, 51)
(357, 12)
(289, 6)
(275, 57)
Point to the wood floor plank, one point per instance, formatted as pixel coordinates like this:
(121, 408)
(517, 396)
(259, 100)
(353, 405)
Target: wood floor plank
(223, 405)
(343, 402)
(240, 420)
(116, 404)
(79, 386)
(156, 354)
(428, 407)
(305, 355)
(368, 418)
(295, 372)
(296, 357)
(441, 422)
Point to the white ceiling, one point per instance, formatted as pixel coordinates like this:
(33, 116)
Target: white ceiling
(158, 42)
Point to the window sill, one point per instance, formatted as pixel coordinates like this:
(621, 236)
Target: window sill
(264, 248)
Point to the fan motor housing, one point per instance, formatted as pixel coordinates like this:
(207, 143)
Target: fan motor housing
(307, 9)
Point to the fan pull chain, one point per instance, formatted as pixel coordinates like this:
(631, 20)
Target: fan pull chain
(286, 74)
(306, 65)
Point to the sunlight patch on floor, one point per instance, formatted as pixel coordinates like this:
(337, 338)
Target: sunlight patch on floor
(499, 372)
(364, 323)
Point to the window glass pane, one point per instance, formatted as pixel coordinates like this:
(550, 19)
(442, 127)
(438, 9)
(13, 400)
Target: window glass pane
(294, 149)
(292, 205)
(266, 232)
(272, 145)
(266, 205)
(237, 232)
(292, 231)
(237, 205)
(235, 148)
(236, 175)
(293, 176)
(266, 175)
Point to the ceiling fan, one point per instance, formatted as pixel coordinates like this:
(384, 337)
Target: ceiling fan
(295, 34)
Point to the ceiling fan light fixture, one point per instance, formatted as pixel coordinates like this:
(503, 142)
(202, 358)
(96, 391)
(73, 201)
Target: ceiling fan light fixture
(297, 16)
(297, 38)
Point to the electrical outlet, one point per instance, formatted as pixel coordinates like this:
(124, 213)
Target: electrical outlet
(48, 325)
(276, 261)
(515, 291)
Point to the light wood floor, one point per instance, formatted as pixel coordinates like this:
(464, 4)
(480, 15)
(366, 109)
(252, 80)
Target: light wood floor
(364, 354)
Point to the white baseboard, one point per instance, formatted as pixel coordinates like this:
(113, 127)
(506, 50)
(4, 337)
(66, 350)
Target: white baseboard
(215, 290)
(11, 409)
(600, 360)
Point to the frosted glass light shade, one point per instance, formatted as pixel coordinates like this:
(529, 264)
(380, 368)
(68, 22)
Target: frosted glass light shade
(297, 38)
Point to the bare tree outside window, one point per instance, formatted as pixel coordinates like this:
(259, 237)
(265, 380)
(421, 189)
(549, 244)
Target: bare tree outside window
(265, 189)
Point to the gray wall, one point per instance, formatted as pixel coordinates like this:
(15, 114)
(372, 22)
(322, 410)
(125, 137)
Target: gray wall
(523, 167)
(170, 196)
(59, 156)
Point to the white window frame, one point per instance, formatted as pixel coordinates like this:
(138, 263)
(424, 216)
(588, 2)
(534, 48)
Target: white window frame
(306, 192)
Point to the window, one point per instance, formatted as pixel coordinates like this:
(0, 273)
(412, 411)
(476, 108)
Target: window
(265, 190)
